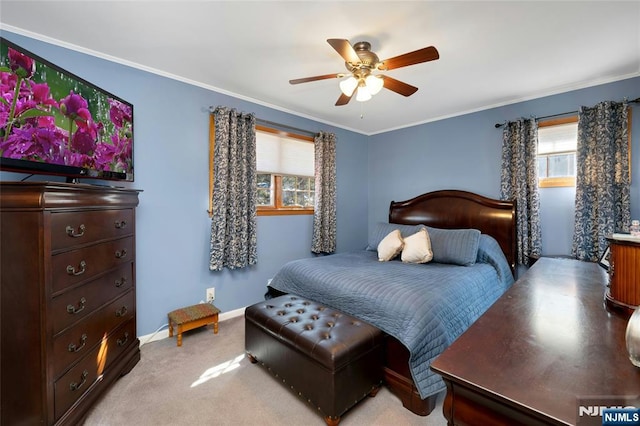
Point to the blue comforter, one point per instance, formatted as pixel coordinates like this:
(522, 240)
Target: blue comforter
(424, 306)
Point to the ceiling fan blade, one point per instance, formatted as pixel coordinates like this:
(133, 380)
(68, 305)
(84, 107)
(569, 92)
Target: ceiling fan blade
(343, 47)
(318, 77)
(343, 99)
(416, 57)
(398, 86)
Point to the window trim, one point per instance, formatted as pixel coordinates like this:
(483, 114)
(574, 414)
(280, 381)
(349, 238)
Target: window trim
(275, 210)
(563, 181)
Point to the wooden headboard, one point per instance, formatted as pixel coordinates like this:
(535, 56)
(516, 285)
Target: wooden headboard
(454, 209)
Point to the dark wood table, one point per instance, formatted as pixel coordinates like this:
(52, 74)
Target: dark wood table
(546, 347)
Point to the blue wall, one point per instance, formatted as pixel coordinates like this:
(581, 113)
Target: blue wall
(464, 153)
(171, 145)
(171, 167)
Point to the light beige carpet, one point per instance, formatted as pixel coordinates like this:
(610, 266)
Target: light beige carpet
(209, 381)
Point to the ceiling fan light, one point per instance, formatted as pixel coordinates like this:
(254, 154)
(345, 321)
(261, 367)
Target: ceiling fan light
(374, 83)
(363, 94)
(349, 85)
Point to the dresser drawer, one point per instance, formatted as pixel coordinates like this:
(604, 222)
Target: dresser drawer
(75, 304)
(70, 229)
(73, 384)
(73, 344)
(74, 266)
(120, 340)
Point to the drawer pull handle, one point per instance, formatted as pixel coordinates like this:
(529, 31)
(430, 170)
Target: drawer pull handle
(75, 386)
(74, 348)
(71, 270)
(122, 281)
(121, 254)
(120, 224)
(73, 310)
(121, 312)
(72, 232)
(122, 342)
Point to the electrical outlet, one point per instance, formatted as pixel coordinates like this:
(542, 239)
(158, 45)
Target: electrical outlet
(211, 294)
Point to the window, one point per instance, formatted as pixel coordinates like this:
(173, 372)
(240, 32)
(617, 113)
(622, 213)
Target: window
(285, 172)
(557, 144)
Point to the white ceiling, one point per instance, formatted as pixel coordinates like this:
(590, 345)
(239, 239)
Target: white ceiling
(491, 53)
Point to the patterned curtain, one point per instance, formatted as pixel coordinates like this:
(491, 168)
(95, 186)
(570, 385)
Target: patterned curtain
(519, 182)
(324, 218)
(233, 223)
(602, 181)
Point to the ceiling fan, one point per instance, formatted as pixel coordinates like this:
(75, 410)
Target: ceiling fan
(361, 63)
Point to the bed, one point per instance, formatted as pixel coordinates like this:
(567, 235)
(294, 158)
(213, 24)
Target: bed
(421, 307)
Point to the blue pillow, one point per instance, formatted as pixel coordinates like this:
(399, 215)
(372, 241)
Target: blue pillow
(382, 229)
(455, 246)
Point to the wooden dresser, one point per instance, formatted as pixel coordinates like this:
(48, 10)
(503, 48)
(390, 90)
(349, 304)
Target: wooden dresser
(67, 298)
(547, 347)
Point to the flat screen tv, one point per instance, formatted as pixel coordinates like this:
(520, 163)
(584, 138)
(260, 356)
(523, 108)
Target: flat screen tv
(56, 123)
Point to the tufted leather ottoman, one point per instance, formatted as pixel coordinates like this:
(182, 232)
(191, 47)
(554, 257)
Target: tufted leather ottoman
(328, 358)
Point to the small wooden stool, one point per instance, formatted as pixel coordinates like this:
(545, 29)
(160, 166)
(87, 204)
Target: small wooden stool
(193, 317)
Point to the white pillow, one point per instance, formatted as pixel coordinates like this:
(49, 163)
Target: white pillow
(417, 248)
(390, 246)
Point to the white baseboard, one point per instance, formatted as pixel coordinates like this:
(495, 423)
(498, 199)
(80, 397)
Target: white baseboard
(163, 331)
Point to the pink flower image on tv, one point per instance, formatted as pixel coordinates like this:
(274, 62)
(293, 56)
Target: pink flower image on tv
(36, 126)
(21, 64)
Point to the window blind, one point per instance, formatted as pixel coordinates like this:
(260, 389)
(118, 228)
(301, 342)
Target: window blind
(557, 138)
(280, 155)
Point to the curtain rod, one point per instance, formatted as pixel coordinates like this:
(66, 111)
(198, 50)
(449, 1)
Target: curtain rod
(498, 125)
(278, 125)
(284, 127)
